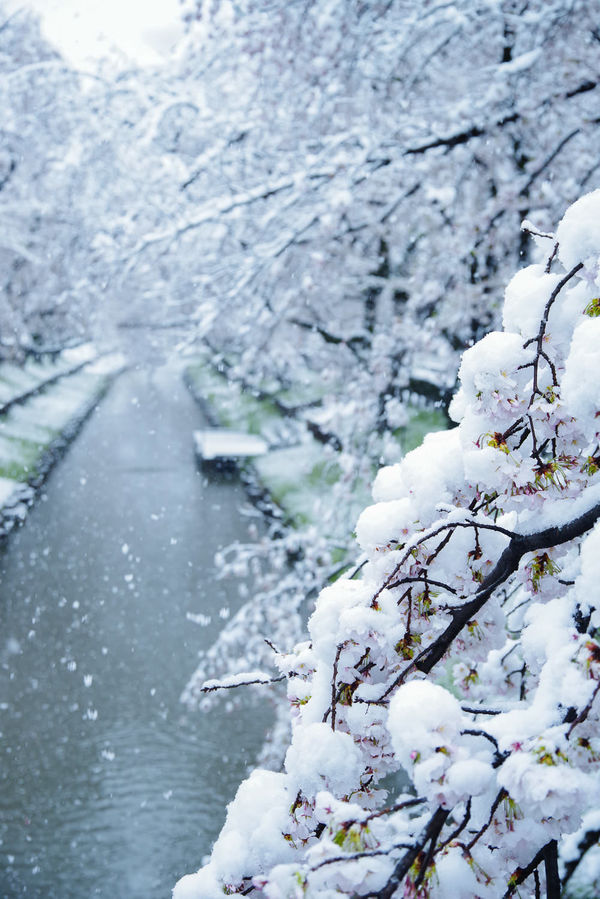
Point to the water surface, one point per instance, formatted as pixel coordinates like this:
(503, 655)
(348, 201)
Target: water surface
(108, 787)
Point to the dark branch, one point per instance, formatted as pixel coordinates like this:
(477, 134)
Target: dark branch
(585, 712)
(551, 867)
(430, 833)
(521, 874)
(462, 137)
(583, 88)
(246, 683)
(524, 192)
(506, 565)
(500, 796)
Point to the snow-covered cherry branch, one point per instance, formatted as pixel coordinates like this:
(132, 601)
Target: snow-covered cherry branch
(465, 659)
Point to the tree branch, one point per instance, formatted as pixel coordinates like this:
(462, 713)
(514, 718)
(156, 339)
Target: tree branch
(506, 565)
(209, 687)
(524, 192)
(430, 833)
(462, 137)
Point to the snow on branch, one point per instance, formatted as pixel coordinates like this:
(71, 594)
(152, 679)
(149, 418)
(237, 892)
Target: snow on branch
(479, 597)
(243, 679)
(461, 137)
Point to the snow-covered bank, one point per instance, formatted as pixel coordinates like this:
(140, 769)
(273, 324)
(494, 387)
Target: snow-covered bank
(20, 382)
(44, 403)
(299, 471)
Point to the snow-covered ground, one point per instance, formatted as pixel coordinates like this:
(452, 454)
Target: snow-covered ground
(44, 403)
(298, 472)
(19, 381)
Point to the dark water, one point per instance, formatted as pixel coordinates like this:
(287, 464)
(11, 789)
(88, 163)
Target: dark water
(107, 786)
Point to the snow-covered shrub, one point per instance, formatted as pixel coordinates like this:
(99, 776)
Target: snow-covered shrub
(467, 651)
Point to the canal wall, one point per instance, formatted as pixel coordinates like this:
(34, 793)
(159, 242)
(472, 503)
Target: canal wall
(43, 404)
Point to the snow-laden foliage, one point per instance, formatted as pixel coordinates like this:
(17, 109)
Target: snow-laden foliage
(364, 172)
(57, 152)
(375, 161)
(83, 171)
(466, 652)
(328, 186)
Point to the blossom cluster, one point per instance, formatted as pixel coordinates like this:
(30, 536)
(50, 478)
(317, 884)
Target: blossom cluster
(463, 660)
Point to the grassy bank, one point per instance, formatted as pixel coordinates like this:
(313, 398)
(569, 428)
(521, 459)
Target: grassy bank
(301, 478)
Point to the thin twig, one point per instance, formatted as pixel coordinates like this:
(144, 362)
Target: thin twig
(334, 685)
(461, 826)
(585, 712)
(246, 683)
(430, 832)
(357, 856)
(501, 795)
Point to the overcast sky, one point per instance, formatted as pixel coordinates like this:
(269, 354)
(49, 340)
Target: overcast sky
(83, 30)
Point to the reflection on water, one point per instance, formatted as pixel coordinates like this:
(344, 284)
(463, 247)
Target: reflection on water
(107, 786)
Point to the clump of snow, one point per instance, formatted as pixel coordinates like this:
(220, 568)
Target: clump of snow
(260, 808)
(580, 386)
(422, 717)
(586, 585)
(77, 355)
(578, 234)
(455, 878)
(545, 790)
(8, 490)
(426, 725)
(520, 63)
(433, 472)
(412, 490)
(385, 523)
(396, 413)
(324, 623)
(389, 483)
(320, 758)
(469, 777)
(491, 371)
(525, 298)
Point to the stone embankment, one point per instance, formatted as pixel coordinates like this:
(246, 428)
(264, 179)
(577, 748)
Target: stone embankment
(43, 403)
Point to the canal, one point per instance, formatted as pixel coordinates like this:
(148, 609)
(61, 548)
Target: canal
(108, 787)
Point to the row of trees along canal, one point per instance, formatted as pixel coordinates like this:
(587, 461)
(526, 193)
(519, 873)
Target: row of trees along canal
(334, 188)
